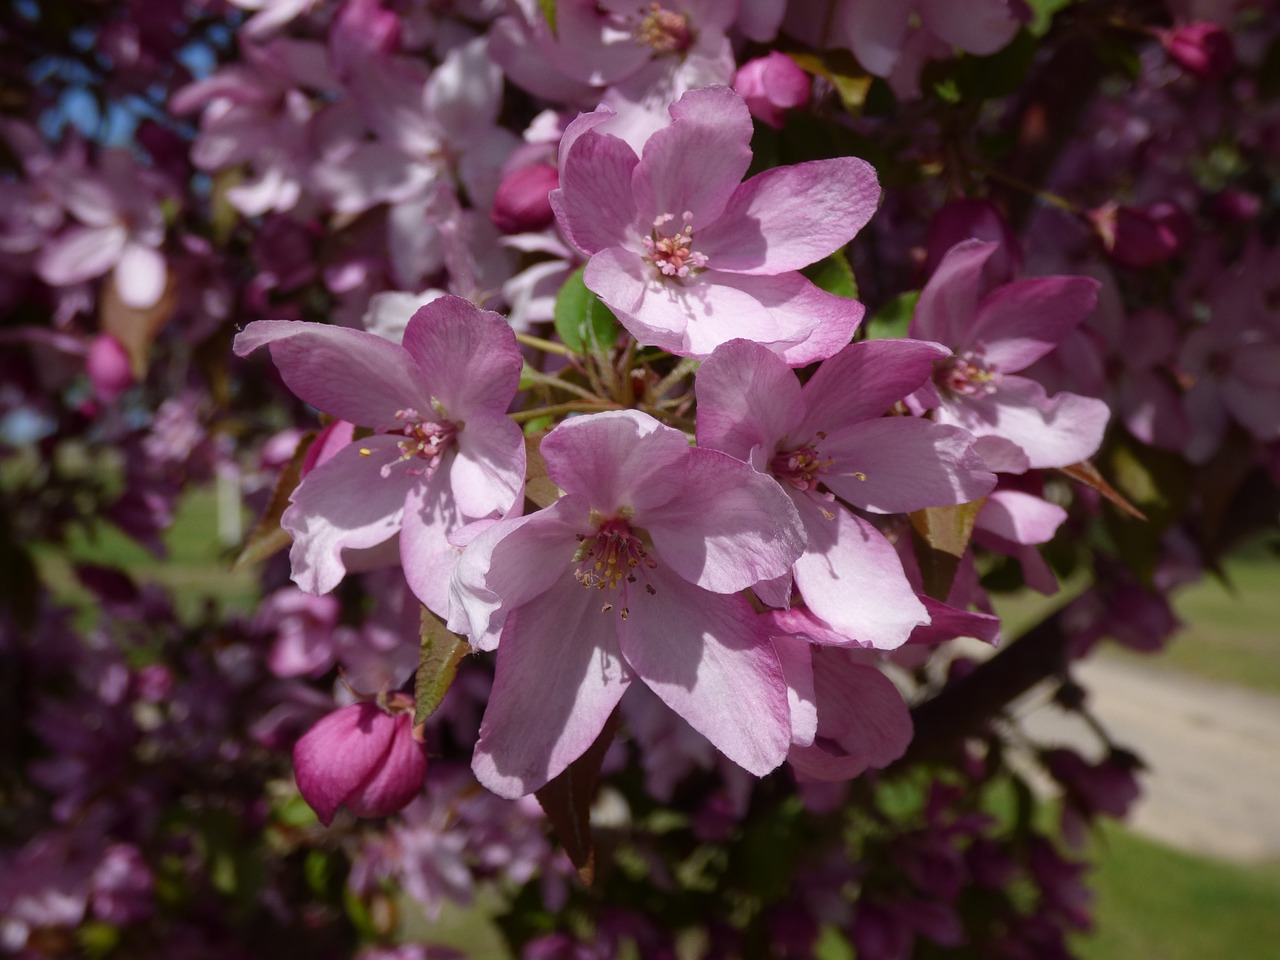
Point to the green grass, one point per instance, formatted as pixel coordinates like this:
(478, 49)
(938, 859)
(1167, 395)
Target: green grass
(1232, 635)
(1155, 903)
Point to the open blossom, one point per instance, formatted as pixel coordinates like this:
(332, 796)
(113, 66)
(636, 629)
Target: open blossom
(634, 574)
(687, 255)
(828, 445)
(994, 332)
(442, 453)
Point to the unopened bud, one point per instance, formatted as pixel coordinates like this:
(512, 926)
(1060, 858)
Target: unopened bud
(108, 367)
(772, 85)
(522, 203)
(1140, 238)
(1202, 49)
(361, 757)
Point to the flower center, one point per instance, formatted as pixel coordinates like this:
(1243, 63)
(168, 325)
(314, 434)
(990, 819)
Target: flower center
(802, 468)
(663, 30)
(424, 439)
(966, 374)
(673, 255)
(612, 558)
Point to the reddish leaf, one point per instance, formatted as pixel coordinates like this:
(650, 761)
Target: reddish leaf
(439, 653)
(567, 802)
(1085, 472)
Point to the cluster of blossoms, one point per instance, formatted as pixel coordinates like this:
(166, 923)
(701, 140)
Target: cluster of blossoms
(689, 374)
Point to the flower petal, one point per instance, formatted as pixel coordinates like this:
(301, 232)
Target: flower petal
(140, 276)
(796, 658)
(344, 504)
(349, 374)
(594, 205)
(1020, 517)
(865, 379)
(558, 677)
(1022, 321)
(430, 515)
(747, 397)
(709, 659)
(731, 528)
(697, 162)
(487, 475)
(900, 464)
(80, 253)
(789, 217)
(950, 299)
(851, 577)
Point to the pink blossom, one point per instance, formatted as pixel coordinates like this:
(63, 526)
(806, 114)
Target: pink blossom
(690, 257)
(361, 757)
(109, 369)
(994, 331)
(522, 202)
(828, 446)
(443, 452)
(635, 573)
(1202, 49)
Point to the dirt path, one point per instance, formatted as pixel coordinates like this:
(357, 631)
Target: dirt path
(1213, 754)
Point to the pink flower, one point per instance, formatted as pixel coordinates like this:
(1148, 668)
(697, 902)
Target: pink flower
(108, 367)
(522, 202)
(825, 441)
(1203, 49)
(995, 331)
(772, 85)
(443, 451)
(361, 757)
(690, 257)
(635, 573)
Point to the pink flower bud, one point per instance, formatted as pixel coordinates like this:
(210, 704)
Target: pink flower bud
(522, 202)
(363, 757)
(1202, 49)
(1140, 238)
(108, 367)
(771, 86)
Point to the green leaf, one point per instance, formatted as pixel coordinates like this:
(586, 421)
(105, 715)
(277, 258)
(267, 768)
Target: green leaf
(548, 8)
(439, 654)
(834, 275)
(585, 325)
(840, 68)
(1042, 14)
(892, 320)
(942, 536)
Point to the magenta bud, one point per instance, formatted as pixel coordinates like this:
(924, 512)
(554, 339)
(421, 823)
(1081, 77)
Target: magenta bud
(361, 757)
(108, 367)
(522, 202)
(772, 85)
(1202, 49)
(1140, 238)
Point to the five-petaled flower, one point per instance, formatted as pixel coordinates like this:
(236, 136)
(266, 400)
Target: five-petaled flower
(635, 573)
(442, 451)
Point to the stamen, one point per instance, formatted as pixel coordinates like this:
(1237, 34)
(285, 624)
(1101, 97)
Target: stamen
(674, 255)
(966, 374)
(611, 558)
(663, 30)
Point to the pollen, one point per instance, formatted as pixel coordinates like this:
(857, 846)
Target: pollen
(422, 439)
(673, 254)
(967, 375)
(611, 558)
(663, 30)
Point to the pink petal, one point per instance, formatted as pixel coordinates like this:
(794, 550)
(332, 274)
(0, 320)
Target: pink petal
(368, 174)
(708, 658)
(979, 26)
(950, 299)
(349, 374)
(397, 779)
(732, 527)
(1022, 321)
(80, 253)
(336, 755)
(559, 675)
(140, 276)
(789, 217)
(875, 31)
(697, 162)
(900, 464)
(948, 623)
(1020, 517)
(747, 397)
(430, 515)
(1053, 432)
(885, 371)
(487, 474)
(796, 659)
(851, 577)
(467, 356)
(615, 459)
(345, 504)
(594, 204)
(862, 719)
